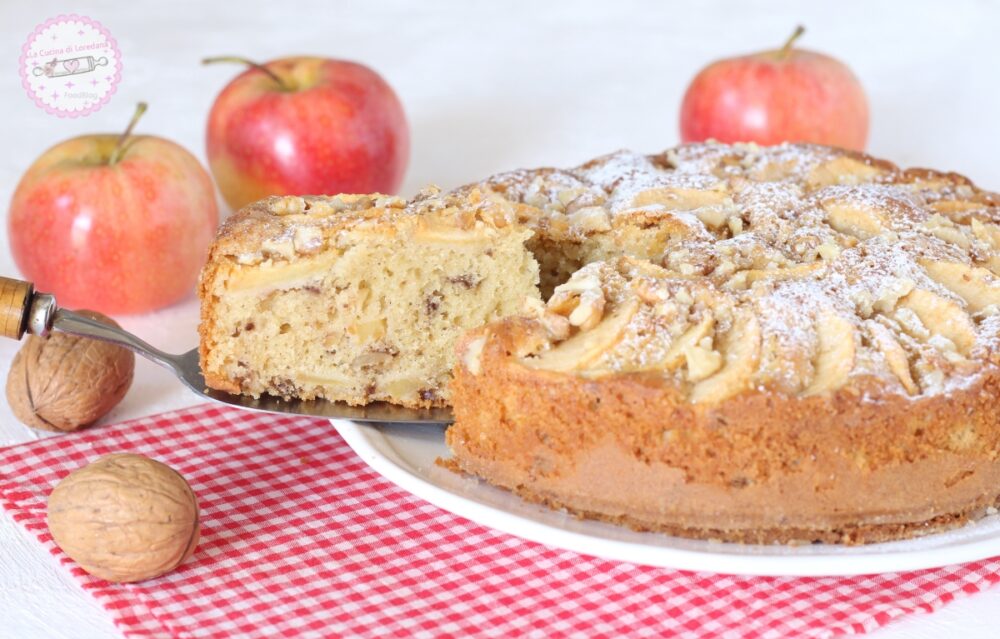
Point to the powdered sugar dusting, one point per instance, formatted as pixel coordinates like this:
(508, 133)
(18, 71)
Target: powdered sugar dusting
(800, 234)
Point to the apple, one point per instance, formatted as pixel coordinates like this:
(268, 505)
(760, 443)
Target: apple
(775, 96)
(113, 223)
(306, 125)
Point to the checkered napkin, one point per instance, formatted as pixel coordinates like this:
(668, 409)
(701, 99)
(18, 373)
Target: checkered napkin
(300, 538)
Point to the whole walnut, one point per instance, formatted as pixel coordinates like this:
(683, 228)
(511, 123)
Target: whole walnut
(124, 518)
(63, 382)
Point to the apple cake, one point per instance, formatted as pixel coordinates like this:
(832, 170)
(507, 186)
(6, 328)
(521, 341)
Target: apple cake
(808, 355)
(355, 298)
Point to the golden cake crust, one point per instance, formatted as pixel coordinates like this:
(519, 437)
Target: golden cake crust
(761, 467)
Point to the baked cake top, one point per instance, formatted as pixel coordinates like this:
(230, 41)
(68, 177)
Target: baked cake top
(812, 246)
(702, 193)
(281, 228)
(796, 268)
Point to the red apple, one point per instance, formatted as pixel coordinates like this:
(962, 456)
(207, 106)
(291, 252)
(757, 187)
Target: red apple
(113, 223)
(776, 96)
(306, 126)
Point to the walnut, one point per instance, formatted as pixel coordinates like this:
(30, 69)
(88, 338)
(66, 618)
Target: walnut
(307, 240)
(124, 518)
(566, 297)
(282, 247)
(557, 327)
(390, 202)
(63, 382)
(590, 219)
(589, 312)
(288, 205)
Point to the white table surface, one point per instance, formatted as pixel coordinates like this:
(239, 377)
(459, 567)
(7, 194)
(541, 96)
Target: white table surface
(486, 88)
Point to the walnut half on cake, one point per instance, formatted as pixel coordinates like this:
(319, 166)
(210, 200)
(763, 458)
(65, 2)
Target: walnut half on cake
(355, 298)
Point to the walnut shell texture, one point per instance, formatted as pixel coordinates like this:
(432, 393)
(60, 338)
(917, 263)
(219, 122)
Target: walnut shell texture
(125, 518)
(63, 382)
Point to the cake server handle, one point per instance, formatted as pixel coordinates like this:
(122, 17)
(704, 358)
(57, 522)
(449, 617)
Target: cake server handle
(24, 310)
(15, 306)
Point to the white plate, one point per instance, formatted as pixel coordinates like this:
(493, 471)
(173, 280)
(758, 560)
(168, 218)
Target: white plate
(405, 456)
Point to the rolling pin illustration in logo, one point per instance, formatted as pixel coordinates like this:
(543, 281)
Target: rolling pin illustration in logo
(55, 68)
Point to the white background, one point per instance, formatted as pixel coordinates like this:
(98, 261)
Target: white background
(487, 87)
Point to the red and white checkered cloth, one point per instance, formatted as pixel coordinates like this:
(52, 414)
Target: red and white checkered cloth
(300, 538)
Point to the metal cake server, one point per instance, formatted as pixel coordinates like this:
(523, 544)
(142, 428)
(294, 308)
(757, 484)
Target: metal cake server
(23, 310)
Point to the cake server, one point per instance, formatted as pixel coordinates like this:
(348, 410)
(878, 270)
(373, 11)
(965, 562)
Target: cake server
(23, 310)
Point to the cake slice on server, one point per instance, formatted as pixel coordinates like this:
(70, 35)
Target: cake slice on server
(356, 298)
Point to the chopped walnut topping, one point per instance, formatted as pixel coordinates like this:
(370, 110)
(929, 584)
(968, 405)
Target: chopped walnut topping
(427, 192)
(566, 196)
(588, 312)
(280, 247)
(557, 327)
(580, 283)
(307, 239)
(345, 202)
(390, 202)
(288, 205)
(590, 219)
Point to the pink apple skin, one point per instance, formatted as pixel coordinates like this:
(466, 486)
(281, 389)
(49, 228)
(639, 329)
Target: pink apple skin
(338, 128)
(126, 238)
(768, 98)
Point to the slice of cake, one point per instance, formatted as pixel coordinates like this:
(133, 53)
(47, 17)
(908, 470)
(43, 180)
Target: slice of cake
(355, 298)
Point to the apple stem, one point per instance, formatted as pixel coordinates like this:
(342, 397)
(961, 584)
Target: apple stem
(787, 48)
(250, 63)
(116, 154)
